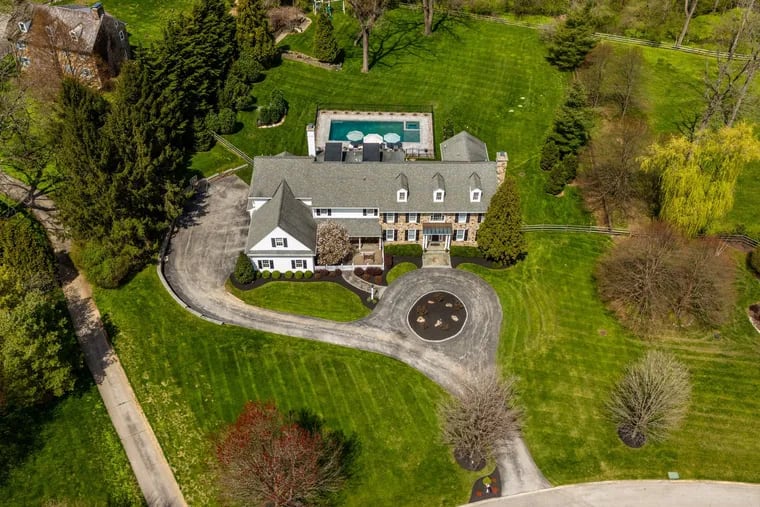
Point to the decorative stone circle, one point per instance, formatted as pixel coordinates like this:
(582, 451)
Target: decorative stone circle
(437, 316)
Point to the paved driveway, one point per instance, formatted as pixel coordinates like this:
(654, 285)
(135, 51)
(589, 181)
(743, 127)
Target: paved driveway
(202, 254)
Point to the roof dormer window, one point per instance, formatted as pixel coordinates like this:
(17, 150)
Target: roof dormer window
(475, 195)
(402, 188)
(438, 196)
(23, 26)
(439, 188)
(475, 188)
(401, 195)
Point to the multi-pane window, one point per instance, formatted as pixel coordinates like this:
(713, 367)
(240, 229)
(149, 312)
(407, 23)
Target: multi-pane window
(298, 264)
(436, 217)
(475, 196)
(413, 217)
(411, 235)
(401, 196)
(438, 196)
(461, 218)
(390, 235)
(369, 212)
(390, 218)
(460, 235)
(266, 264)
(323, 212)
(279, 242)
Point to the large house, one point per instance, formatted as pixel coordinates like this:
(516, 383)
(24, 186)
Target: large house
(435, 204)
(71, 40)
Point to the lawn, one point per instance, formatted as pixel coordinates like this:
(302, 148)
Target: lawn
(145, 19)
(325, 300)
(194, 378)
(399, 270)
(75, 457)
(216, 160)
(569, 351)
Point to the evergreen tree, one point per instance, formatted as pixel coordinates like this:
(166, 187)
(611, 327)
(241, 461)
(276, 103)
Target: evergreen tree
(499, 237)
(325, 44)
(253, 31)
(572, 40)
(549, 155)
(572, 122)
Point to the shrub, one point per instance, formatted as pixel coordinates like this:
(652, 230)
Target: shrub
(374, 271)
(555, 183)
(244, 271)
(378, 279)
(276, 275)
(754, 259)
(549, 155)
(265, 116)
(298, 275)
(651, 399)
(410, 250)
(326, 47)
(227, 120)
(103, 267)
(288, 275)
(307, 274)
(266, 275)
(366, 277)
(466, 251)
(247, 67)
(359, 271)
(318, 276)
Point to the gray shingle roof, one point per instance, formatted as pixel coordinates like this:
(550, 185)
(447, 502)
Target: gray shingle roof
(402, 182)
(464, 147)
(475, 181)
(358, 227)
(285, 211)
(374, 184)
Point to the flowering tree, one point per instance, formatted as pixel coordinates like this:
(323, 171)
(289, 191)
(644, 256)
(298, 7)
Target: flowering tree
(267, 459)
(333, 243)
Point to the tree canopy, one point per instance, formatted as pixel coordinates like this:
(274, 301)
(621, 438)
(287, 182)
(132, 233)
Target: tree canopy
(499, 237)
(698, 177)
(571, 41)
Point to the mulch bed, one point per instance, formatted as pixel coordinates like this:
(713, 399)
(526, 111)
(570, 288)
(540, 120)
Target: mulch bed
(334, 279)
(483, 491)
(632, 441)
(437, 316)
(456, 261)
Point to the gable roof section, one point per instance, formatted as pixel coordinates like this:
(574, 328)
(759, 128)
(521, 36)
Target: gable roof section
(283, 210)
(374, 184)
(475, 181)
(464, 147)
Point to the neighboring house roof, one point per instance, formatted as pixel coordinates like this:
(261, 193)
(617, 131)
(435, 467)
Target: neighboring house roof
(289, 214)
(464, 147)
(358, 227)
(374, 184)
(77, 27)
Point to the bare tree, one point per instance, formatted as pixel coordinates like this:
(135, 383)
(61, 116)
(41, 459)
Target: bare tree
(626, 70)
(265, 459)
(611, 176)
(651, 400)
(333, 243)
(657, 278)
(367, 12)
(594, 73)
(689, 7)
(480, 418)
(427, 14)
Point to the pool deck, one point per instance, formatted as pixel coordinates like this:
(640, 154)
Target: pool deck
(426, 144)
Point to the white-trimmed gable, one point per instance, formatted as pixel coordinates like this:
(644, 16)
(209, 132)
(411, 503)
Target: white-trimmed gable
(279, 240)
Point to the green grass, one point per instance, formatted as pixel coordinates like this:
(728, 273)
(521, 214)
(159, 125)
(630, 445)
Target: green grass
(193, 377)
(216, 160)
(145, 19)
(399, 270)
(325, 300)
(76, 458)
(745, 215)
(569, 352)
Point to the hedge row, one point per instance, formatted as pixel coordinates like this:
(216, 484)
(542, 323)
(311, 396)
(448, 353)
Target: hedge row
(410, 250)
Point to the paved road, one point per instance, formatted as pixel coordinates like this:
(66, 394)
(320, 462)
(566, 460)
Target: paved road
(203, 251)
(148, 462)
(637, 494)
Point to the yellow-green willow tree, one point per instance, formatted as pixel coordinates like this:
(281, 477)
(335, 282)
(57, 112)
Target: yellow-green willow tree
(698, 177)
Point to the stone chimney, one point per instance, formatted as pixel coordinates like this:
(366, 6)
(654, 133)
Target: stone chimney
(311, 139)
(97, 10)
(502, 159)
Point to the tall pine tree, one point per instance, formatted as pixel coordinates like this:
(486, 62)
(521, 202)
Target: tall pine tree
(253, 31)
(499, 237)
(325, 44)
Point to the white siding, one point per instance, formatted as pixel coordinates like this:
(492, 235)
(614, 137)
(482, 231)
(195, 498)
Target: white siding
(283, 264)
(346, 213)
(266, 243)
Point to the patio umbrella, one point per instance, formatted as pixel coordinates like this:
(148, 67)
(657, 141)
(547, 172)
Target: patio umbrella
(355, 135)
(373, 138)
(392, 137)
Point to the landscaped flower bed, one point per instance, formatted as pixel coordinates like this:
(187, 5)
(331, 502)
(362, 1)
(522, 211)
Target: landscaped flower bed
(437, 316)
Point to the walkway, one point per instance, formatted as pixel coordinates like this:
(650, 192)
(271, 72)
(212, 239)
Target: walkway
(636, 494)
(202, 253)
(149, 464)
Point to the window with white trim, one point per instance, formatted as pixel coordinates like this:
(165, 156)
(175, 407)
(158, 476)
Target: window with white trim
(20, 45)
(460, 235)
(24, 26)
(369, 212)
(298, 264)
(24, 61)
(390, 235)
(279, 242)
(390, 218)
(266, 264)
(461, 218)
(438, 196)
(475, 195)
(323, 212)
(437, 217)
(413, 217)
(121, 35)
(411, 235)
(401, 195)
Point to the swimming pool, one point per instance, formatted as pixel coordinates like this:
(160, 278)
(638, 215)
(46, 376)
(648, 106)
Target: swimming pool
(409, 131)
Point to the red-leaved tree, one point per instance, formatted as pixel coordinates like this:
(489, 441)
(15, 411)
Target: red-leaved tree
(267, 459)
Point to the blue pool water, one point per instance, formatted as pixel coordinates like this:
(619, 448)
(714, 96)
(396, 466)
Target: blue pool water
(409, 131)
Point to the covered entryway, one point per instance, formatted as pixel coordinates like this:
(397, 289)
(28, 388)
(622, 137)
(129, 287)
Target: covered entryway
(436, 236)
